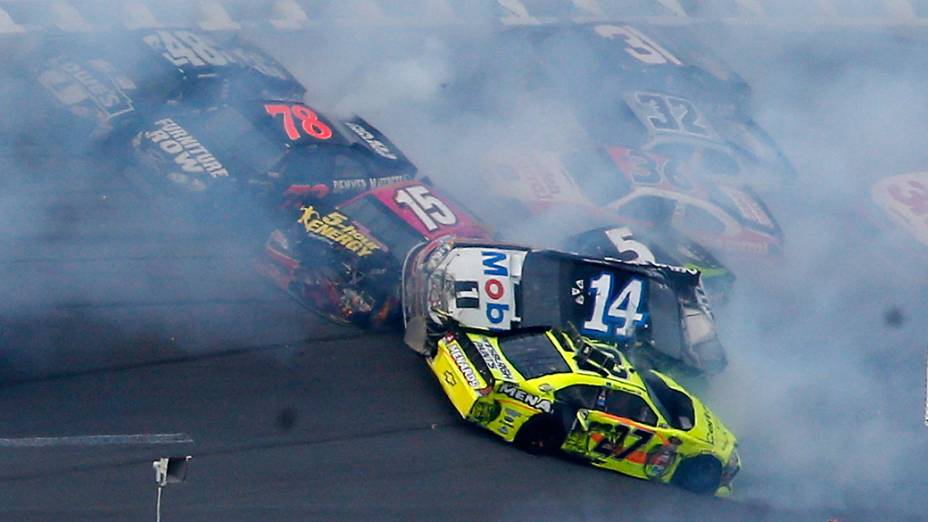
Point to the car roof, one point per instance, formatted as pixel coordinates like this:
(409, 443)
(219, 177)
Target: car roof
(627, 380)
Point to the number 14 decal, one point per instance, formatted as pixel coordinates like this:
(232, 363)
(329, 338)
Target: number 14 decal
(620, 311)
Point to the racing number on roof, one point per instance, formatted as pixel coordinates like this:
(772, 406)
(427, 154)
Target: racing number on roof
(431, 211)
(309, 121)
(628, 248)
(184, 47)
(672, 114)
(913, 195)
(620, 311)
(638, 45)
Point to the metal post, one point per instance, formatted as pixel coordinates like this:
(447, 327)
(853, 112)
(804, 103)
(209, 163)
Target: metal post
(158, 506)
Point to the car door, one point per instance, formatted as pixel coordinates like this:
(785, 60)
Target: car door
(617, 433)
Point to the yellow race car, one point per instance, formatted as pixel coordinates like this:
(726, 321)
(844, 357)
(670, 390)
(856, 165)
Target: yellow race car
(547, 390)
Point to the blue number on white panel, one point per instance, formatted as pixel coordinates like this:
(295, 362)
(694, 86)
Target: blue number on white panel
(621, 311)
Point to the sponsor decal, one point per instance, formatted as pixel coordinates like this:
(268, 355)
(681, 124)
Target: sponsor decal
(449, 378)
(335, 227)
(577, 291)
(512, 413)
(71, 83)
(188, 153)
(360, 184)
(386, 180)
(710, 428)
(492, 358)
(369, 138)
(543, 184)
(461, 360)
(504, 430)
(526, 398)
(349, 185)
(466, 294)
(748, 207)
(495, 264)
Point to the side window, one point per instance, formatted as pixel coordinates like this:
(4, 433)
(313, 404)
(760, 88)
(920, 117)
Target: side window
(346, 167)
(596, 175)
(579, 395)
(630, 406)
(700, 220)
(649, 208)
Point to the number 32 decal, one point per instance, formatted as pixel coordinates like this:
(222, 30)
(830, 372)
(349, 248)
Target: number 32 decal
(431, 211)
(621, 311)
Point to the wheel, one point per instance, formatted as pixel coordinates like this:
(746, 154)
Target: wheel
(541, 435)
(701, 475)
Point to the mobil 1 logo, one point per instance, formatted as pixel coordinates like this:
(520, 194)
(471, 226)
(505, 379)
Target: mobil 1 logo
(496, 286)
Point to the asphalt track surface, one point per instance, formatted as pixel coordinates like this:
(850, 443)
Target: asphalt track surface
(123, 318)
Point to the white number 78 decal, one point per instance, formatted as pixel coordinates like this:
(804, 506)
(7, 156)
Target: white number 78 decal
(430, 210)
(622, 311)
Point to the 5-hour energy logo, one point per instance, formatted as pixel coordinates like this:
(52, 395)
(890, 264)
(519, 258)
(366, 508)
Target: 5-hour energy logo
(335, 227)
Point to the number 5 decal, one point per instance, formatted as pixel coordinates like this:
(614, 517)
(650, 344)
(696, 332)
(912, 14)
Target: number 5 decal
(431, 211)
(620, 311)
(629, 249)
(309, 121)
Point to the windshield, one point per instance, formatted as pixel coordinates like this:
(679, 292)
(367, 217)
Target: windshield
(385, 226)
(532, 354)
(255, 151)
(675, 406)
(596, 175)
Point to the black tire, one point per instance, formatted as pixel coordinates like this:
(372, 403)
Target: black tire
(541, 435)
(700, 475)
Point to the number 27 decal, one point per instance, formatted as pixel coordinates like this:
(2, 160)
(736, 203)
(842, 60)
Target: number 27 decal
(621, 311)
(616, 449)
(309, 121)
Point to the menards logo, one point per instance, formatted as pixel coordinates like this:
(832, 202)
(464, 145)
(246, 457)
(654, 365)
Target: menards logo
(526, 398)
(336, 227)
(492, 358)
(469, 374)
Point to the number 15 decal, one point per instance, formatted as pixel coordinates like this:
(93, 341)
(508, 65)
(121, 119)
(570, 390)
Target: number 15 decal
(620, 311)
(431, 211)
